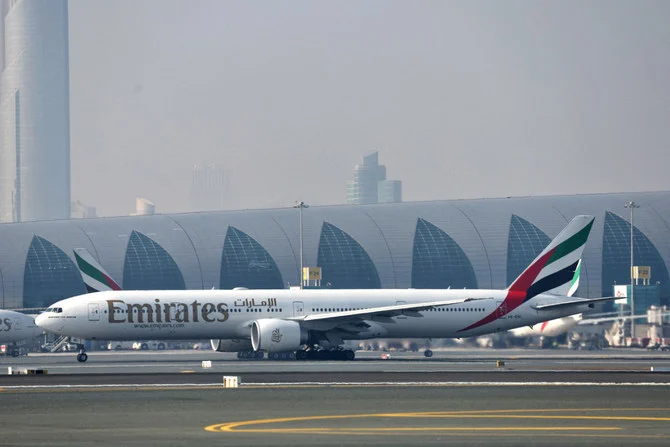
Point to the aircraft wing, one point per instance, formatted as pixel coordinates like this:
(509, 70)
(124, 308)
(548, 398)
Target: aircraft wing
(409, 310)
(574, 303)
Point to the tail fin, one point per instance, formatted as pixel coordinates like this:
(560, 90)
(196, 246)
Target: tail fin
(556, 269)
(574, 284)
(95, 277)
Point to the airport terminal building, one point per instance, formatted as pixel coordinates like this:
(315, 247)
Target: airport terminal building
(481, 243)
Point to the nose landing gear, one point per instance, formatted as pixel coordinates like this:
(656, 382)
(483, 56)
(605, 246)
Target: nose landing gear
(82, 356)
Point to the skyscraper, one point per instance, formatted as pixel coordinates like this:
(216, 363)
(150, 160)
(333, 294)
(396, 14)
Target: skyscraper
(209, 186)
(34, 111)
(370, 186)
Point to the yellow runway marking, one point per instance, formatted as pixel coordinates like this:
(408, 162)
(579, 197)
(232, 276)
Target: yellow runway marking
(252, 426)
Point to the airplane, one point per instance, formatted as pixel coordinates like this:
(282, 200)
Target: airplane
(16, 327)
(559, 326)
(96, 279)
(314, 323)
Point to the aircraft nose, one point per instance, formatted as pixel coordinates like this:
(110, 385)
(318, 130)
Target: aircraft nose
(41, 321)
(49, 324)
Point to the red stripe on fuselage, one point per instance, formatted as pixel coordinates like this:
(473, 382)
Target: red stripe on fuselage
(516, 294)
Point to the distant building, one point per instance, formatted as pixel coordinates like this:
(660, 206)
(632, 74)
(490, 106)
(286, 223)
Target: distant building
(34, 111)
(81, 211)
(144, 207)
(389, 191)
(209, 185)
(370, 186)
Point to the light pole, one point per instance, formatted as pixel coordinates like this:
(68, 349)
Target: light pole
(300, 205)
(632, 205)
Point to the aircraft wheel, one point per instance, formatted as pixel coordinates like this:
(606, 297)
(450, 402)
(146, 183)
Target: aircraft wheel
(259, 354)
(82, 357)
(428, 353)
(273, 356)
(349, 355)
(144, 347)
(301, 355)
(161, 346)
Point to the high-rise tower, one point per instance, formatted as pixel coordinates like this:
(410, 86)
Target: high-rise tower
(209, 187)
(34, 111)
(370, 186)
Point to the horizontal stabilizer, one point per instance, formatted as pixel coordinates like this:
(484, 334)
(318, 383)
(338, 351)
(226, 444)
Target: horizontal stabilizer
(574, 303)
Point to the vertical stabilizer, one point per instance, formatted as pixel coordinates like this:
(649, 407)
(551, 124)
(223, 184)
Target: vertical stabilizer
(555, 269)
(95, 277)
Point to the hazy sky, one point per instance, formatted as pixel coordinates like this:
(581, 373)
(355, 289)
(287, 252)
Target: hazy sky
(462, 99)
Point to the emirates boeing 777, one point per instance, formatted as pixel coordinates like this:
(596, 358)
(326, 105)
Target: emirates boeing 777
(315, 323)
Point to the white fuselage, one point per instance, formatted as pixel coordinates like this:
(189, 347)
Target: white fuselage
(15, 326)
(228, 314)
(551, 328)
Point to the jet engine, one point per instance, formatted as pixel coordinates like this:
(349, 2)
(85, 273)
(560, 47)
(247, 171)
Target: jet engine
(276, 335)
(230, 345)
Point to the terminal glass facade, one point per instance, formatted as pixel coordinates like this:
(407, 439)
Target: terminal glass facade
(524, 243)
(438, 262)
(616, 256)
(148, 266)
(344, 263)
(245, 263)
(50, 275)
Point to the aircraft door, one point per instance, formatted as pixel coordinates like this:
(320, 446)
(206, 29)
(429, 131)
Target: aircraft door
(17, 324)
(501, 311)
(93, 312)
(402, 315)
(298, 309)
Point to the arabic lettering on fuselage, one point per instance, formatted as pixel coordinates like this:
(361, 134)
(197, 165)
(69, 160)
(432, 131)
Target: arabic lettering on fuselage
(270, 302)
(118, 311)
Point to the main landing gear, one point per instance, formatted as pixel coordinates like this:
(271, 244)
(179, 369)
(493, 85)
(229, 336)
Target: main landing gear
(325, 354)
(82, 356)
(428, 353)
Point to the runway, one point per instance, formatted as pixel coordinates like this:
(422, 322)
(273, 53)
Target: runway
(446, 360)
(345, 415)
(463, 397)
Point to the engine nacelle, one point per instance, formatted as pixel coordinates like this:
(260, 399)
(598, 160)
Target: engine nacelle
(275, 335)
(231, 345)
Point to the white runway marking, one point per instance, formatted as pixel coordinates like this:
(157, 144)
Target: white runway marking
(337, 384)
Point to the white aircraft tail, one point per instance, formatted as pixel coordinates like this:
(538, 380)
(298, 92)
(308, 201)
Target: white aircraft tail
(556, 270)
(95, 277)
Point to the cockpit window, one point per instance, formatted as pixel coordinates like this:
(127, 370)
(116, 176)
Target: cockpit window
(57, 310)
